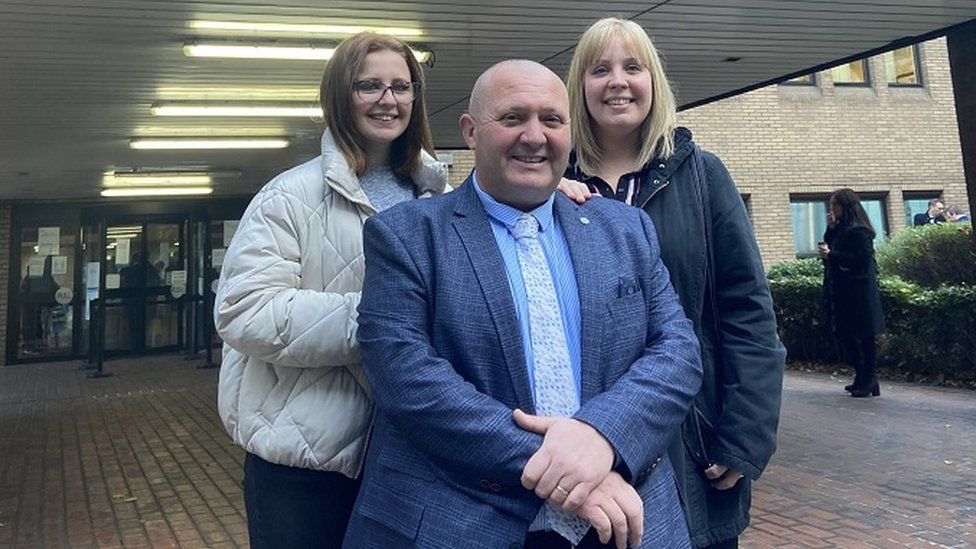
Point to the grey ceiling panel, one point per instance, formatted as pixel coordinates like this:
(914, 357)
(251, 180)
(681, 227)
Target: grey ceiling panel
(77, 77)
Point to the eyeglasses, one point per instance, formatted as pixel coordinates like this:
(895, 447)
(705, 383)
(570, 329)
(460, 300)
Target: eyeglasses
(373, 90)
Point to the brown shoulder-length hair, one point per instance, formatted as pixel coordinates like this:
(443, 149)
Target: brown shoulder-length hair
(336, 97)
(852, 212)
(657, 132)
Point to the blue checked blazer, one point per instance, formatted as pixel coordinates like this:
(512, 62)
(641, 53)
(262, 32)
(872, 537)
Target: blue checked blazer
(442, 349)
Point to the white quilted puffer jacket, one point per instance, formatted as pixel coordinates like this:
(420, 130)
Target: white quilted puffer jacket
(292, 388)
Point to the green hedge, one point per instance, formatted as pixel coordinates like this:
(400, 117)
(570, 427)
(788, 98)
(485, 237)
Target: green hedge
(931, 326)
(931, 255)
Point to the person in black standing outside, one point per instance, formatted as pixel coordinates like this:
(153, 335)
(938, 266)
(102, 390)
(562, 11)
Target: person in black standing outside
(851, 288)
(932, 216)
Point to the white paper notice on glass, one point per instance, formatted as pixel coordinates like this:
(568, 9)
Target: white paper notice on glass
(113, 281)
(122, 251)
(59, 265)
(35, 266)
(49, 240)
(218, 257)
(177, 278)
(91, 277)
(230, 227)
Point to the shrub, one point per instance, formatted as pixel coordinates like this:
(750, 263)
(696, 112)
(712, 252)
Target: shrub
(930, 330)
(931, 255)
(797, 288)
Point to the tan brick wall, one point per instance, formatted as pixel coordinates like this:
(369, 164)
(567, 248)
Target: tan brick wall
(781, 140)
(4, 276)
(462, 166)
(803, 139)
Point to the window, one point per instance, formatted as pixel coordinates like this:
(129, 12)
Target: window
(902, 67)
(875, 208)
(805, 80)
(916, 203)
(809, 217)
(854, 73)
(809, 223)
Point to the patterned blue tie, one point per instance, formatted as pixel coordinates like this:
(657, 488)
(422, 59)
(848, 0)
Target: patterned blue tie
(555, 388)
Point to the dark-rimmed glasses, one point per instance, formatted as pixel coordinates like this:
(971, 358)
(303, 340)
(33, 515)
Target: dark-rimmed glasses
(373, 90)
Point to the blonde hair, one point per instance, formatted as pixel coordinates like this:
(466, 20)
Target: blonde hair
(336, 98)
(657, 131)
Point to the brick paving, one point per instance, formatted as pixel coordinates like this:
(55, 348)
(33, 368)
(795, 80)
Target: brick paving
(141, 460)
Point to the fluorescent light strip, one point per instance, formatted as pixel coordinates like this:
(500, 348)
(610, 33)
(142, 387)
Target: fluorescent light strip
(342, 30)
(237, 93)
(124, 229)
(229, 143)
(157, 191)
(199, 109)
(155, 180)
(257, 51)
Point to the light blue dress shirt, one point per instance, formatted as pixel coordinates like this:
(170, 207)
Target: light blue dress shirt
(503, 218)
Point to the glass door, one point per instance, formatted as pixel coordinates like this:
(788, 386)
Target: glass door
(166, 285)
(144, 283)
(46, 292)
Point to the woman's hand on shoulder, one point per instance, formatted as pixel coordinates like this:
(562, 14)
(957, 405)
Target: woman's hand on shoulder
(575, 191)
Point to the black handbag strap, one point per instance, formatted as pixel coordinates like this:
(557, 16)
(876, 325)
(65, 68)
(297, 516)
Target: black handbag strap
(704, 199)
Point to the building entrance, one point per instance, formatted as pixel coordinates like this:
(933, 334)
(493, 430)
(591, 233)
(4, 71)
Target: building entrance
(152, 266)
(140, 272)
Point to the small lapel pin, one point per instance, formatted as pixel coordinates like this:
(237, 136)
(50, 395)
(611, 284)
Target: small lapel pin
(585, 220)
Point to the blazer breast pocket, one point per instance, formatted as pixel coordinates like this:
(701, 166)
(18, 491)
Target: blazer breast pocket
(628, 312)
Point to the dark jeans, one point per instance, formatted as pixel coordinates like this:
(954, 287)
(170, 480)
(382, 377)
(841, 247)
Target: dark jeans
(293, 507)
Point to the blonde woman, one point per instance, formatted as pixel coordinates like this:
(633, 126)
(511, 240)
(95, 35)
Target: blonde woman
(628, 147)
(292, 390)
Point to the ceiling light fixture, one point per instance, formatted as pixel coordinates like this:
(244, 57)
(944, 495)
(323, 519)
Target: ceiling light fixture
(237, 93)
(199, 143)
(157, 191)
(303, 29)
(266, 51)
(304, 110)
(112, 180)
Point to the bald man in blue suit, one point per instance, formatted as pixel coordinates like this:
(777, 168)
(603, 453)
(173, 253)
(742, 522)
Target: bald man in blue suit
(458, 457)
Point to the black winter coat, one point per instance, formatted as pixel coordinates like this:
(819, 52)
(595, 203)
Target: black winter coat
(851, 283)
(742, 357)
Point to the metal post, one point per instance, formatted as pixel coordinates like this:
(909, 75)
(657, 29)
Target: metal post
(99, 349)
(208, 296)
(207, 331)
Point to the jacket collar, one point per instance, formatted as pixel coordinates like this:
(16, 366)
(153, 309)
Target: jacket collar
(659, 171)
(429, 179)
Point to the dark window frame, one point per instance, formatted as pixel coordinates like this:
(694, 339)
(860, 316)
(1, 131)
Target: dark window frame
(824, 198)
(919, 195)
(920, 80)
(867, 75)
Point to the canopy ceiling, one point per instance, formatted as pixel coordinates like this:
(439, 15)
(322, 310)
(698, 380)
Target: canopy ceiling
(78, 77)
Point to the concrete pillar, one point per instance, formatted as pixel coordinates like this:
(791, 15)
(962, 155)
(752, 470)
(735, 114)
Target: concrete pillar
(962, 63)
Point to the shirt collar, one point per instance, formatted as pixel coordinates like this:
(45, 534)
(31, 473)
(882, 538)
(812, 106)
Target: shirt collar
(507, 215)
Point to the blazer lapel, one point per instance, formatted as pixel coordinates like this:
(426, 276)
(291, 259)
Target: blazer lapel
(584, 252)
(474, 229)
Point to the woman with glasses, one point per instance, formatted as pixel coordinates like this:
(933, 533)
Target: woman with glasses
(292, 390)
(628, 147)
